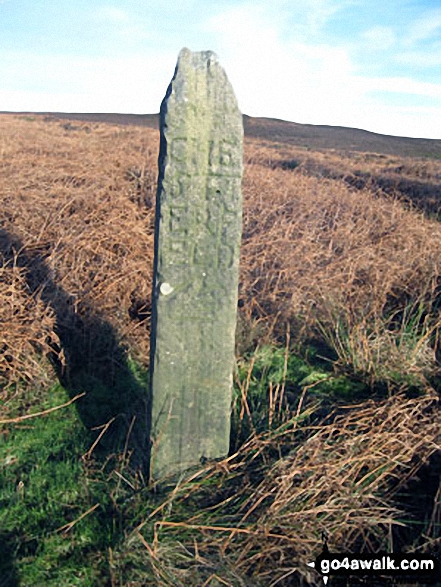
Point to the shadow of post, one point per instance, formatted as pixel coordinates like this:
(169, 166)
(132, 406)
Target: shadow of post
(94, 362)
(8, 575)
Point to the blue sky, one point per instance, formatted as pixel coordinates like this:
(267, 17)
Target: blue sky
(371, 64)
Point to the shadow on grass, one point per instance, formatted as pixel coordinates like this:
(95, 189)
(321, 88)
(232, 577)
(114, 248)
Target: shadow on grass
(8, 575)
(420, 504)
(94, 362)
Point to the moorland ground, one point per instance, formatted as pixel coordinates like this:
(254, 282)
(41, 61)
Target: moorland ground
(335, 419)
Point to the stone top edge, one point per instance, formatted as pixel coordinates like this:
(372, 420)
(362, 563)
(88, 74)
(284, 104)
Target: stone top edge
(197, 58)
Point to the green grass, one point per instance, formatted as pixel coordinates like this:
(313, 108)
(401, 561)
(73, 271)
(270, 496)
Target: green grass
(273, 384)
(44, 486)
(68, 516)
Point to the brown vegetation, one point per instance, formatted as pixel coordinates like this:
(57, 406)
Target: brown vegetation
(309, 136)
(339, 481)
(318, 137)
(77, 230)
(329, 247)
(76, 233)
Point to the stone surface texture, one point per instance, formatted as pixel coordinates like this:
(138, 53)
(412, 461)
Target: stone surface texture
(197, 245)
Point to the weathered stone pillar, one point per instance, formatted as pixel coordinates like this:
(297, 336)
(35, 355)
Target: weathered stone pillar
(197, 242)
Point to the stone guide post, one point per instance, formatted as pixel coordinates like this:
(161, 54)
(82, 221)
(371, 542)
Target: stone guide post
(195, 282)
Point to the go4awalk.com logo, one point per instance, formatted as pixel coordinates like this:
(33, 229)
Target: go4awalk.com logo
(406, 567)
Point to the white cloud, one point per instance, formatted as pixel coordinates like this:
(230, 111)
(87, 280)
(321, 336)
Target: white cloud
(421, 59)
(319, 12)
(402, 85)
(278, 65)
(33, 101)
(137, 32)
(401, 120)
(126, 26)
(112, 14)
(310, 82)
(425, 27)
(380, 37)
(65, 83)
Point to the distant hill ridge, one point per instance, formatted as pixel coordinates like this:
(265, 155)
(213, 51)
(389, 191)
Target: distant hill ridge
(309, 136)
